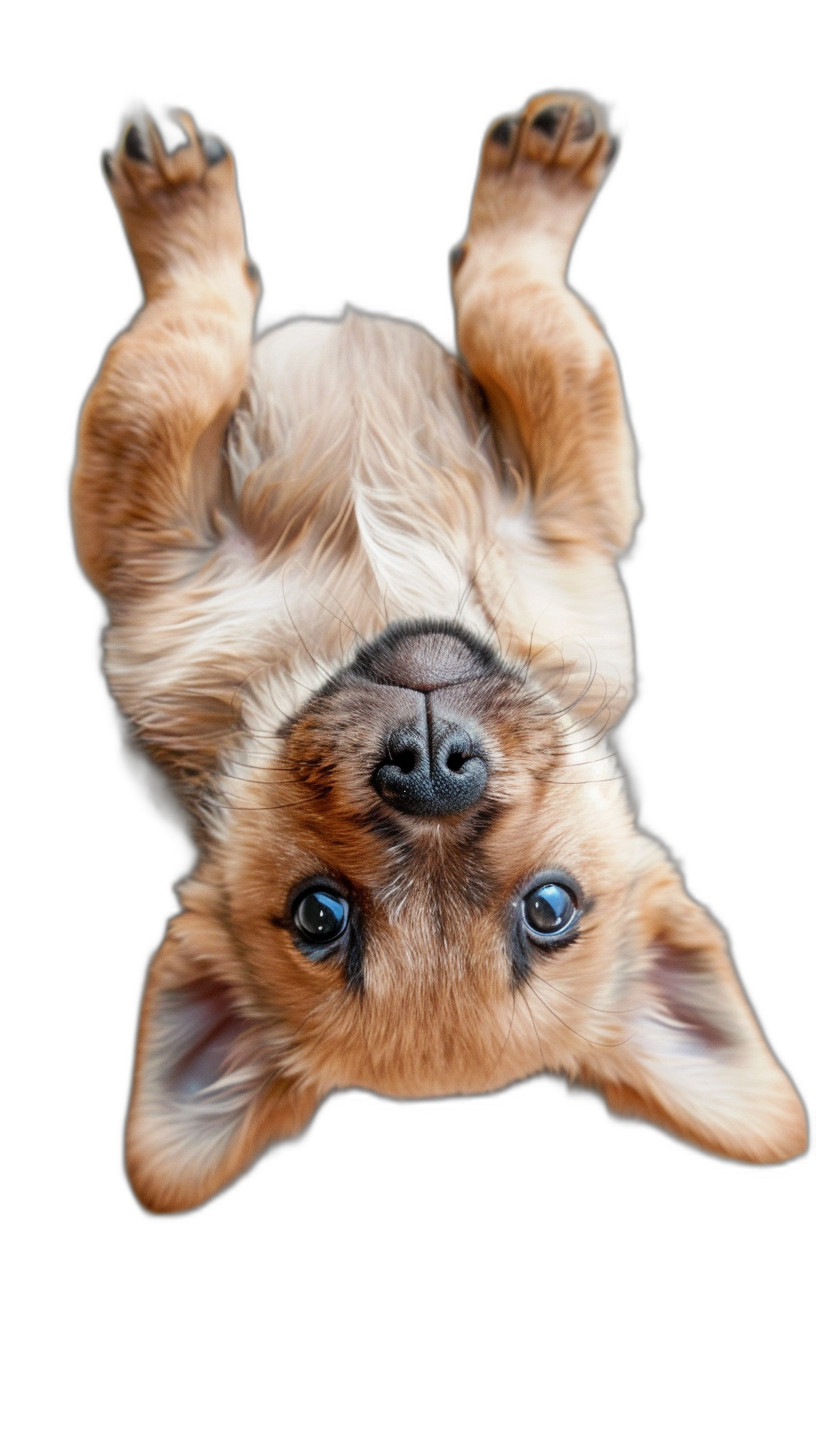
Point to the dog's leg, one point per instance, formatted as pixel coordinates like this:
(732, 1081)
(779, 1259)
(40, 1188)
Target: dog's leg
(148, 482)
(549, 374)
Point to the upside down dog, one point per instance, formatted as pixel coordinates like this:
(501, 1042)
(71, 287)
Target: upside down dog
(365, 613)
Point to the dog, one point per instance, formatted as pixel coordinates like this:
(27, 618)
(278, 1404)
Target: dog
(365, 614)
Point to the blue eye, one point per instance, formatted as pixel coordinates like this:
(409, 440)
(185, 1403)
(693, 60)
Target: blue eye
(321, 915)
(551, 912)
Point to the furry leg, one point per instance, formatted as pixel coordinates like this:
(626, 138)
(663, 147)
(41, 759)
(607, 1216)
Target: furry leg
(148, 483)
(549, 374)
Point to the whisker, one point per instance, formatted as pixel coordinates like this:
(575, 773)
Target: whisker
(349, 620)
(321, 666)
(594, 738)
(495, 1067)
(335, 618)
(521, 996)
(601, 1045)
(582, 783)
(553, 986)
(472, 582)
(366, 1043)
(492, 619)
(602, 758)
(380, 609)
(530, 656)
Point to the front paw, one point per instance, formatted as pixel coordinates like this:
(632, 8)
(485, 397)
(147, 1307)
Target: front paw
(180, 209)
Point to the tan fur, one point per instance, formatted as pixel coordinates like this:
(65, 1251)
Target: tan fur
(254, 517)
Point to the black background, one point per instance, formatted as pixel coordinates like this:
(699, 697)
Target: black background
(356, 172)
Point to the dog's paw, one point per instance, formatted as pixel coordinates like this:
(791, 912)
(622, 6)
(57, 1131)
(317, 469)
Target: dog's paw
(180, 209)
(561, 134)
(541, 168)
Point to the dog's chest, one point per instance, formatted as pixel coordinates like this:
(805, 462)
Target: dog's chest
(362, 499)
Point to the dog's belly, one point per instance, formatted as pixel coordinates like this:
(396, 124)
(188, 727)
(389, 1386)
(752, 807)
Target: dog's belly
(363, 418)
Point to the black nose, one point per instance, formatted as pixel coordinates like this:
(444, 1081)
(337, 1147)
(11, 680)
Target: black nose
(432, 773)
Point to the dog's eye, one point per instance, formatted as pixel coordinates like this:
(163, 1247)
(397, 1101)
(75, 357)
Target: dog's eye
(321, 915)
(551, 913)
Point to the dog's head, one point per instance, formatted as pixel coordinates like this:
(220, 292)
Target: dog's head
(428, 880)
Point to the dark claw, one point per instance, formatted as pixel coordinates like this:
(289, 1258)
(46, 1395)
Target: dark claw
(174, 137)
(107, 165)
(549, 120)
(457, 257)
(584, 127)
(213, 150)
(612, 150)
(253, 272)
(134, 145)
(502, 133)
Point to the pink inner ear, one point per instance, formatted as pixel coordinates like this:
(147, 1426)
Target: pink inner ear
(691, 996)
(204, 1028)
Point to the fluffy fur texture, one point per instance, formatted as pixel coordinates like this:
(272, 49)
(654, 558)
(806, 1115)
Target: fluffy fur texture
(341, 554)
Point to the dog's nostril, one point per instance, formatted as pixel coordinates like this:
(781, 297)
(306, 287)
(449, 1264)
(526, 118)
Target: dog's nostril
(441, 771)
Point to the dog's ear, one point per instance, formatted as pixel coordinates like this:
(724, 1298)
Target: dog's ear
(692, 1056)
(209, 1087)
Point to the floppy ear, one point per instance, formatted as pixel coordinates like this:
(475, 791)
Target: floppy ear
(693, 1056)
(209, 1089)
